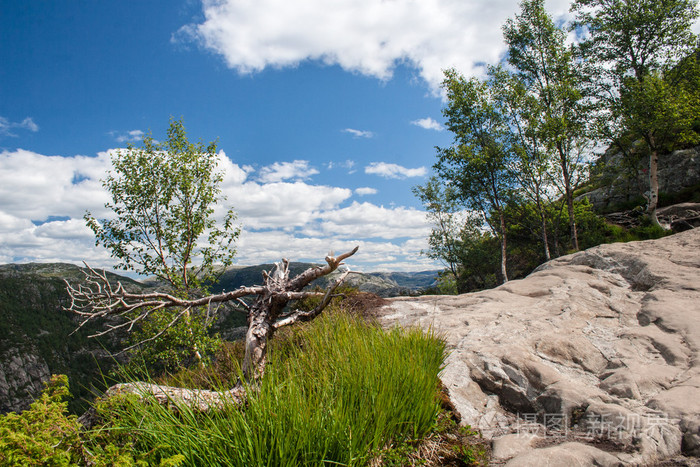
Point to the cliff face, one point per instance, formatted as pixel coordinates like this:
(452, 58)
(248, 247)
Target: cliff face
(626, 180)
(36, 340)
(594, 356)
(21, 376)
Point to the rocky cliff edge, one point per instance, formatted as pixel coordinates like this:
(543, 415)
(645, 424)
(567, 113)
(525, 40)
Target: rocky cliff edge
(593, 359)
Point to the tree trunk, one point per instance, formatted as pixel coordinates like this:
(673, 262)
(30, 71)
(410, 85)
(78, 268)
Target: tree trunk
(572, 218)
(653, 183)
(260, 330)
(543, 218)
(545, 240)
(569, 196)
(504, 272)
(174, 398)
(195, 347)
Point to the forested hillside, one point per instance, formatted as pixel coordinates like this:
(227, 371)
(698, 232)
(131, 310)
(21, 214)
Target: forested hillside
(37, 336)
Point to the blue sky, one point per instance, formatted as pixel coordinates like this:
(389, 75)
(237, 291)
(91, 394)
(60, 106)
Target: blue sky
(326, 113)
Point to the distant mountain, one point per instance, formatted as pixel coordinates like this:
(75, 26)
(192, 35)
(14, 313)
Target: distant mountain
(384, 284)
(414, 281)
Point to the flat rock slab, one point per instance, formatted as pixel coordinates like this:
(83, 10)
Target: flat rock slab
(599, 349)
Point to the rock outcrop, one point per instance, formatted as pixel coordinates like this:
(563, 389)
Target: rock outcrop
(22, 375)
(595, 356)
(678, 217)
(677, 171)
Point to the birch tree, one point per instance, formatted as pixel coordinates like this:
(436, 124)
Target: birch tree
(163, 224)
(634, 43)
(557, 109)
(477, 164)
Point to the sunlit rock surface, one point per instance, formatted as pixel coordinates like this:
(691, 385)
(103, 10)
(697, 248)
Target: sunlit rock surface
(596, 354)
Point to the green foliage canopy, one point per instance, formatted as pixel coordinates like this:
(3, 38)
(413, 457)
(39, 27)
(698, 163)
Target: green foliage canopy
(163, 198)
(553, 109)
(635, 37)
(476, 165)
(632, 45)
(43, 435)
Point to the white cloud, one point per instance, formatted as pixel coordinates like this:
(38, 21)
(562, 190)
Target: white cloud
(280, 171)
(267, 247)
(387, 170)
(233, 173)
(35, 186)
(282, 205)
(367, 220)
(128, 137)
(43, 199)
(358, 133)
(6, 126)
(364, 36)
(364, 191)
(29, 124)
(428, 124)
(348, 165)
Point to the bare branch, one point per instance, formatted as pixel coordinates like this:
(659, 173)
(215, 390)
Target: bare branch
(98, 298)
(245, 305)
(156, 336)
(308, 276)
(309, 315)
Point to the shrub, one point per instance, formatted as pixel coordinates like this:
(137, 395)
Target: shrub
(43, 435)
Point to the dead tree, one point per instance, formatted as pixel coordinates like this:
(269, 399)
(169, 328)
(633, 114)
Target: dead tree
(97, 298)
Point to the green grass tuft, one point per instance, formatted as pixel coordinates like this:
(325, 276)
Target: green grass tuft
(336, 391)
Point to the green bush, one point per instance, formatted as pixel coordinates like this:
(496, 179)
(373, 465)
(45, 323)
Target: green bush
(46, 435)
(175, 348)
(43, 435)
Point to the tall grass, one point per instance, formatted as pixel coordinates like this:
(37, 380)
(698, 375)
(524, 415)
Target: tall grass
(334, 393)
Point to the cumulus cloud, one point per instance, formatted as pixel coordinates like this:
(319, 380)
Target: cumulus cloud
(279, 171)
(43, 199)
(37, 186)
(364, 36)
(364, 191)
(233, 174)
(128, 137)
(428, 124)
(358, 133)
(387, 170)
(7, 127)
(283, 205)
(368, 220)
